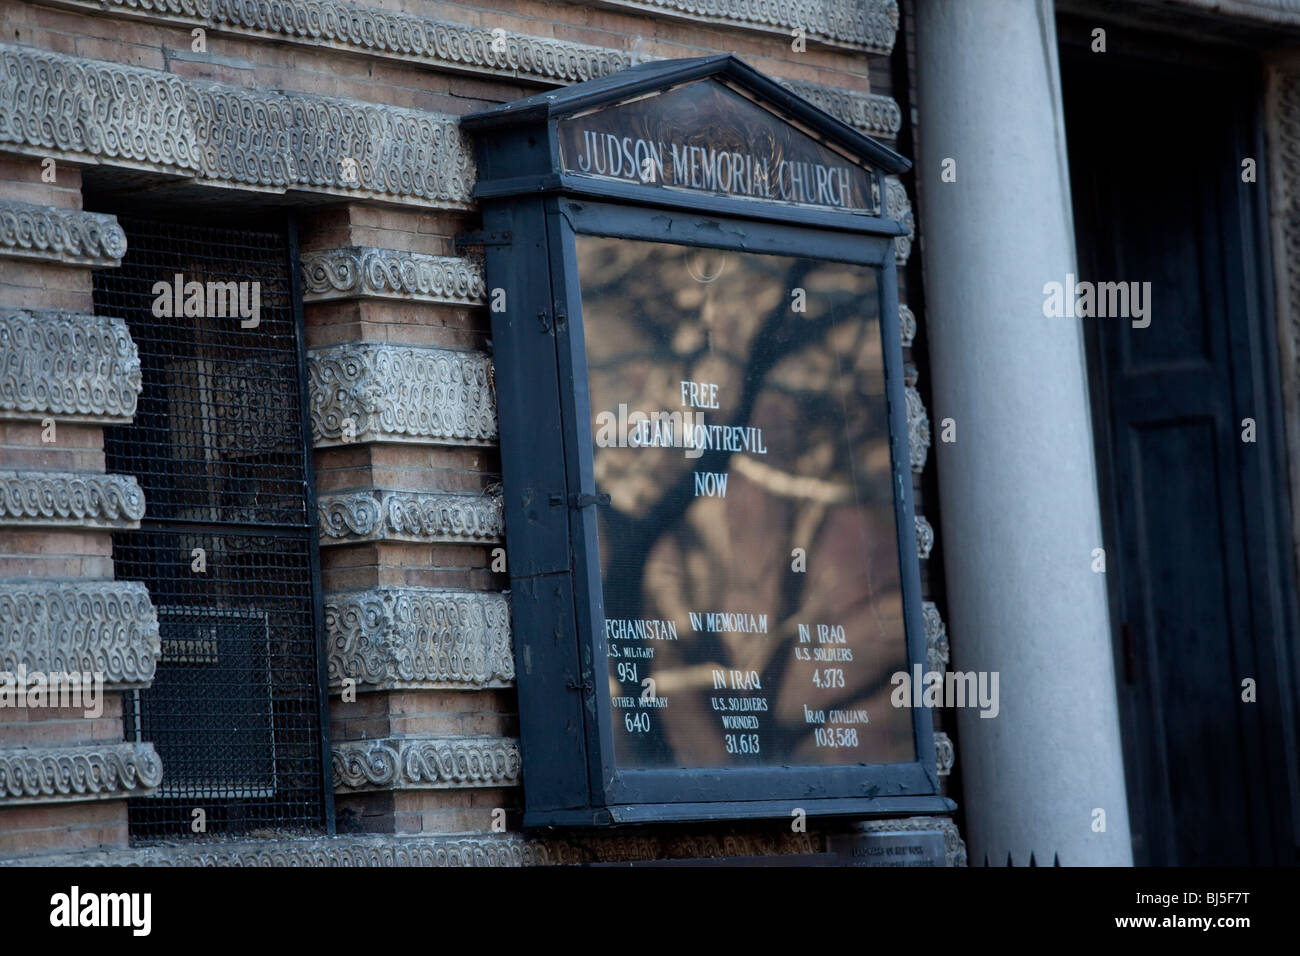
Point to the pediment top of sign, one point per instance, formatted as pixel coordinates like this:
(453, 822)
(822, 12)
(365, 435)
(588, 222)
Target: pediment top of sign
(658, 75)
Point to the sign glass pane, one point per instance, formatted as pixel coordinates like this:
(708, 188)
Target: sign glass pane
(749, 551)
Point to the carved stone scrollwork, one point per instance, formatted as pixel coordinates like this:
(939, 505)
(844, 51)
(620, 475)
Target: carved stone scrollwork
(69, 773)
(918, 429)
(944, 755)
(107, 628)
(409, 516)
(361, 272)
(51, 104)
(936, 638)
(899, 208)
(71, 366)
(924, 537)
(413, 637)
(401, 763)
(907, 325)
(369, 391)
(870, 112)
(60, 104)
(858, 24)
(76, 499)
(67, 236)
(460, 47)
(438, 42)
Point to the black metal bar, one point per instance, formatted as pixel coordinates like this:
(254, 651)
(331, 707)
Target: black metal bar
(309, 483)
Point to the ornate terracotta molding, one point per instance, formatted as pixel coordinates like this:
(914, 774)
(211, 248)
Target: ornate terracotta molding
(380, 515)
(918, 428)
(487, 849)
(944, 755)
(93, 111)
(899, 207)
(907, 325)
(868, 25)
(456, 47)
(954, 846)
(386, 638)
(360, 272)
(936, 638)
(337, 25)
(71, 366)
(924, 537)
(405, 763)
(870, 112)
(69, 499)
(72, 773)
(374, 392)
(65, 236)
(108, 628)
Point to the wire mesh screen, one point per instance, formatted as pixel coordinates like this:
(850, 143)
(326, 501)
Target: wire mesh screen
(218, 446)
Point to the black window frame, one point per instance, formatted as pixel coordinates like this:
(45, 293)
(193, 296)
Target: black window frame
(532, 212)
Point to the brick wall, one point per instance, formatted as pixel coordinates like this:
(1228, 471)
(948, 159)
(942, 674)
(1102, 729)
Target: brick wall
(436, 571)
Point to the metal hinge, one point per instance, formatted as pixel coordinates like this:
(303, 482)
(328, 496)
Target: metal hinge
(482, 239)
(582, 500)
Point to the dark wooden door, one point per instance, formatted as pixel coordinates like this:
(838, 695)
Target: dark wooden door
(1196, 517)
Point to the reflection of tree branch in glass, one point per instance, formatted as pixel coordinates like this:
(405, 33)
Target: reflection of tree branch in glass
(753, 663)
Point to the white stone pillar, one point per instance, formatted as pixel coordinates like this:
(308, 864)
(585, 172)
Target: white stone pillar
(1018, 488)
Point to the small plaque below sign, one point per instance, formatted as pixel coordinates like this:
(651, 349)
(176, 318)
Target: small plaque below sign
(890, 848)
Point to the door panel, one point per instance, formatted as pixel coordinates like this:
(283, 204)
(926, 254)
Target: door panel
(1200, 591)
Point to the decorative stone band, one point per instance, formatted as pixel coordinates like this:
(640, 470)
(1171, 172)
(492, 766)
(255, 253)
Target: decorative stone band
(421, 763)
(409, 516)
(359, 272)
(92, 111)
(870, 112)
(954, 846)
(924, 537)
(488, 849)
(936, 638)
(899, 207)
(72, 773)
(387, 638)
(442, 45)
(868, 25)
(66, 236)
(944, 755)
(68, 365)
(374, 392)
(106, 628)
(69, 499)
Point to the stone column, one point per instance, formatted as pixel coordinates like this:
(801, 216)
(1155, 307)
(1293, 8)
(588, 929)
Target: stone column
(1018, 487)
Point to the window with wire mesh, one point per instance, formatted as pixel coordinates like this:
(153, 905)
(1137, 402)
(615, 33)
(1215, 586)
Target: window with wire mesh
(218, 446)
